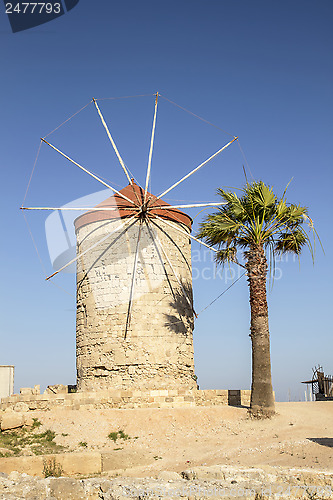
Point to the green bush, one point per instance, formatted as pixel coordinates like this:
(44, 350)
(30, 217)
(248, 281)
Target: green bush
(118, 435)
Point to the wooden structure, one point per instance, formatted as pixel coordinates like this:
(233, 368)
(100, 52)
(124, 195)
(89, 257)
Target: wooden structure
(321, 384)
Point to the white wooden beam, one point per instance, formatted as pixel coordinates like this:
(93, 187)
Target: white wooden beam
(151, 149)
(87, 172)
(196, 169)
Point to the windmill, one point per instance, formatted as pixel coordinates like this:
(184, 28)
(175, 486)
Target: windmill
(134, 286)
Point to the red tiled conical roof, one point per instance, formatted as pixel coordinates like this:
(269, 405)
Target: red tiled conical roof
(124, 208)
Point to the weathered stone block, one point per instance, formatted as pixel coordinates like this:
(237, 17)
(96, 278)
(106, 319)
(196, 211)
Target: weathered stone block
(28, 419)
(11, 420)
(159, 399)
(123, 459)
(137, 394)
(115, 400)
(126, 394)
(13, 399)
(173, 392)
(57, 389)
(154, 393)
(81, 463)
(24, 391)
(220, 392)
(182, 391)
(179, 399)
(114, 393)
(29, 465)
(168, 476)
(21, 407)
(163, 393)
(185, 404)
(154, 405)
(64, 488)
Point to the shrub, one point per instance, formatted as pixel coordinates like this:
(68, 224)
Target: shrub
(118, 435)
(51, 468)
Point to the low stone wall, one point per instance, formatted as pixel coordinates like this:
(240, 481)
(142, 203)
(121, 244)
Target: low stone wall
(215, 397)
(78, 463)
(165, 398)
(84, 463)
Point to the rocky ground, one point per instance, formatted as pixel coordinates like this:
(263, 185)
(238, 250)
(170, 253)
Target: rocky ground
(193, 484)
(150, 443)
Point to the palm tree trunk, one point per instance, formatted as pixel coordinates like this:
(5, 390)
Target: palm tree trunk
(262, 398)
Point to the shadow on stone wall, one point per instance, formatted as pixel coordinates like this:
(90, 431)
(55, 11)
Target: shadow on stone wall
(181, 321)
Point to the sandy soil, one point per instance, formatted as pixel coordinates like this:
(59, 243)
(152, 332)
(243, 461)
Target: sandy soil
(300, 435)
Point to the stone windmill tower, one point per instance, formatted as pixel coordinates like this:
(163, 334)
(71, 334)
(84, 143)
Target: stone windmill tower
(134, 295)
(134, 283)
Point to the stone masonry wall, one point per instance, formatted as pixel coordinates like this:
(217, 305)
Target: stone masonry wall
(156, 350)
(171, 398)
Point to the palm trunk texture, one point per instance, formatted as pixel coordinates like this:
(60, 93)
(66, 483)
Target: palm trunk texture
(262, 398)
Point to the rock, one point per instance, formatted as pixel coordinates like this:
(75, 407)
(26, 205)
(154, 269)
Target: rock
(189, 474)
(3, 474)
(11, 420)
(238, 485)
(168, 475)
(57, 389)
(28, 419)
(64, 488)
(94, 489)
(224, 473)
(104, 485)
(14, 476)
(25, 487)
(9, 409)
(21, 407)
(26, 391)
(36, 389)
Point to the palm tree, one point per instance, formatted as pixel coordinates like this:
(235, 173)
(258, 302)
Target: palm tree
(259, 223)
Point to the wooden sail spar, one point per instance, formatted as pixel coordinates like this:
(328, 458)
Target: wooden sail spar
(145, 207)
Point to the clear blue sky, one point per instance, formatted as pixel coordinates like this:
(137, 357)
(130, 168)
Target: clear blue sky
(257, 69)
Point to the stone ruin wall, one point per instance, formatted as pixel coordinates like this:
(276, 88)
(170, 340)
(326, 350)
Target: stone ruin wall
(157, 352)
(30, 399)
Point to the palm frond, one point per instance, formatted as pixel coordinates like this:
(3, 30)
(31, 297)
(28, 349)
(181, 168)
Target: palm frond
(285, 189)
(228, 254)
(260, 197)
(292, 242)
(257, 218)
(234, 207)
(217, 229)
